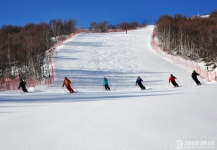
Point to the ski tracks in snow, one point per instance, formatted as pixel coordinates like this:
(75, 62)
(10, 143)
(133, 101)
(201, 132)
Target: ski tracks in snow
(118, 56)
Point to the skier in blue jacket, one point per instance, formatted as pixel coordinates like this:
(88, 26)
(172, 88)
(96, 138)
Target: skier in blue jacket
(139, 82)
(105, 83)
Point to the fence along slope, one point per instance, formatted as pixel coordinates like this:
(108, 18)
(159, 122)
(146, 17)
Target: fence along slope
(7, 83)
(190, 65)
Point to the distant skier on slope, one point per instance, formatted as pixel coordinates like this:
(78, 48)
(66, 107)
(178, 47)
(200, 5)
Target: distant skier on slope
(23, 85)
(139, 82)
(173, 80)
(194, 77)
(105, 84)
(67, 82)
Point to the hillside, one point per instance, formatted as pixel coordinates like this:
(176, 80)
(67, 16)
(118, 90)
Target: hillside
(124, 118)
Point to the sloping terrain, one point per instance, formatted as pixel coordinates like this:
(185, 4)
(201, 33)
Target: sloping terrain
(123, 118)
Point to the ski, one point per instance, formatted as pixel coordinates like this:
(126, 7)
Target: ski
(72, 92)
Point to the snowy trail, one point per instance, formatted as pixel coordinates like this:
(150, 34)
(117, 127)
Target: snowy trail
(125, 118)
(120, 57)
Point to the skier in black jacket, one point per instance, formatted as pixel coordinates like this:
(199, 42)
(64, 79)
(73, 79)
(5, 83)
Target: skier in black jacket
(23, 85)
(194, 77)
(139, 82)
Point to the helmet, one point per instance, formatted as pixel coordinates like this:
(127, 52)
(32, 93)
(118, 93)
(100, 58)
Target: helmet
(171, 75)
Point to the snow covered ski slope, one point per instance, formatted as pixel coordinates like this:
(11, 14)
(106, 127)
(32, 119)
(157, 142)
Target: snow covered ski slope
(120, 57)
(125, 118)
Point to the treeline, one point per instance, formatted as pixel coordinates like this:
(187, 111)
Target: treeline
(132, 25)
(103, 26)
(194, 37)
(23, 49)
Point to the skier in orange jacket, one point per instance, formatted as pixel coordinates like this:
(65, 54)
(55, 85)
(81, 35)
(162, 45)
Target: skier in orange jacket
(172, 79)
(67, 82)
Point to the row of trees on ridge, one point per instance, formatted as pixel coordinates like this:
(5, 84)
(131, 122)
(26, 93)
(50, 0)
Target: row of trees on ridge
(192, 37)
(23, 50)
(103, 26)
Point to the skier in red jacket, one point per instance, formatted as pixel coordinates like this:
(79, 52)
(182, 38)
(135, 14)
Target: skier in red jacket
(172, 79)
(67, 82)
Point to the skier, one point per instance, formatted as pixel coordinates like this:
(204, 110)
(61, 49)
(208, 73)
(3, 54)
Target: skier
(105, 83)
(172, 79)
(67, 82)
(23, 85)
(194, 77)
(139, 82)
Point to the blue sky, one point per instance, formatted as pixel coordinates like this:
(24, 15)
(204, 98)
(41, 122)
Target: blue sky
(22, 12)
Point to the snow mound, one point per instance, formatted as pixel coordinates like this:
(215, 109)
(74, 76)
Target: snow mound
(31, 89)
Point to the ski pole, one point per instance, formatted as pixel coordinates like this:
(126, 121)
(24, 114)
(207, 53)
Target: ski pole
(64, 89)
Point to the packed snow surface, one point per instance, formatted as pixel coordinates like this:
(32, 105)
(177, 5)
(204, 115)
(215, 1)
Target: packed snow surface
(124, 118)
